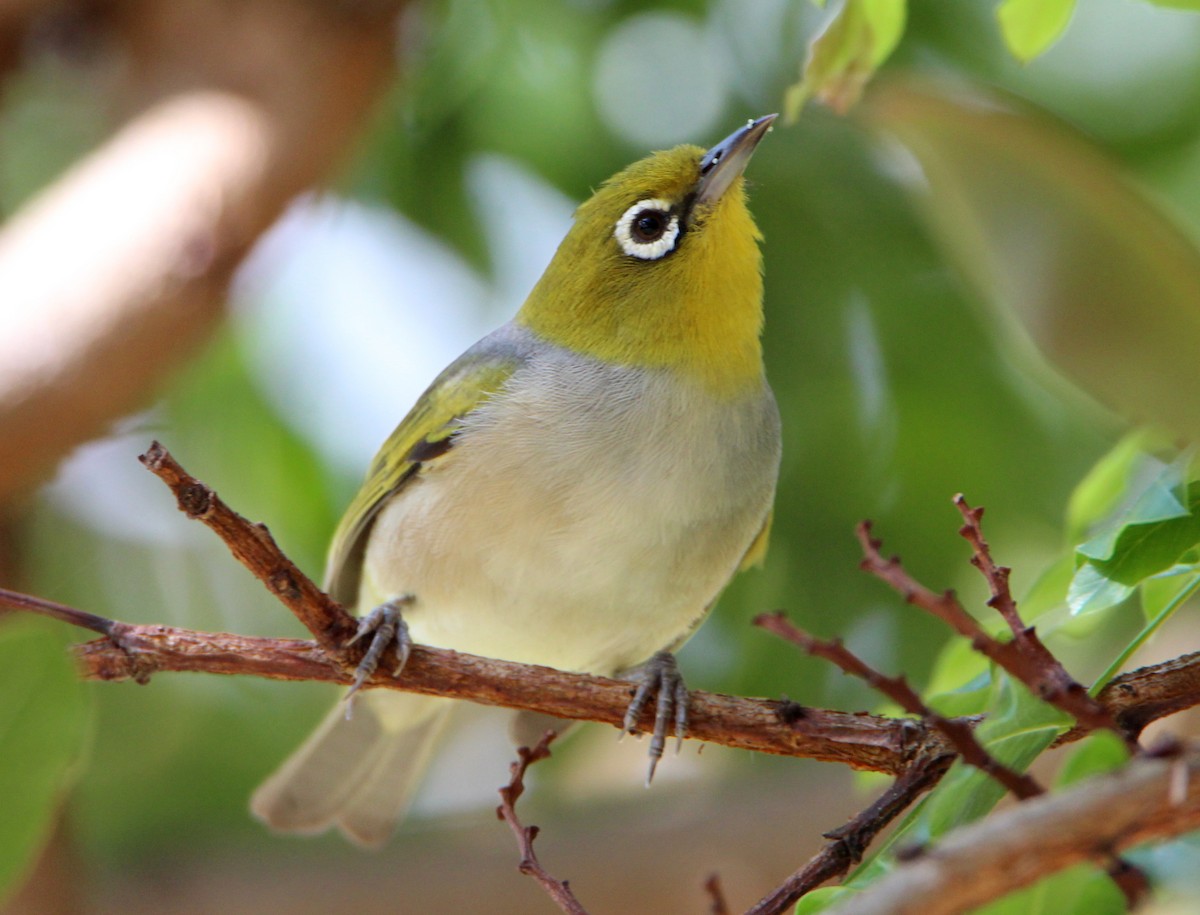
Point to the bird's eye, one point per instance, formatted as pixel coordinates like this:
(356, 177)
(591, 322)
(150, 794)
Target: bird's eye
(647, 230)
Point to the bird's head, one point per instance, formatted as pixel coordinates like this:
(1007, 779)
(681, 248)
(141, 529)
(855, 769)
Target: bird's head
(662, 270)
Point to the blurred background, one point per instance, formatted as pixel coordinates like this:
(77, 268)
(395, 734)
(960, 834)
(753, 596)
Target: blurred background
(377, 184)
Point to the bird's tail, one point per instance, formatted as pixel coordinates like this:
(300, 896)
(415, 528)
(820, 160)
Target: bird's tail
(356, 773)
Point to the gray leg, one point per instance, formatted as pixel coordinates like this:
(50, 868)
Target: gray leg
(660, 675)
(385, 625)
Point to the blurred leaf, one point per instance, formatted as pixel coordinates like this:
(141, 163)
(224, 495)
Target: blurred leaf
(43, 723)
(1100, 492)
(1092, 591)
(1082, 267)
(1161, 593)
(1018, 727)
(1162, 596)
(961, 680)
(1177, 4)
(1084, 890)
(1097, 754)
(821, 899)
(1031, 26)
(1049, 589)
(846, 54)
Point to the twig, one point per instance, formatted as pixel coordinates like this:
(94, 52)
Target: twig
(1151, 798)
(850, 841)
(1025, 658)
(506, 811)
(1047, 681)
(717, 904)
(958, 731)
(254, 547)
(1051, 681)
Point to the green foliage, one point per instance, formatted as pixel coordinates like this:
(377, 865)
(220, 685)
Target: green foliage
(1141, 523)
(844, 57)
(1031, 26)
(43, 725)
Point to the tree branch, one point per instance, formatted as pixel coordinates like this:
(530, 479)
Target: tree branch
(850, 841)
(1151, 798)
(115, 274)
(253, 546)
(558, 890)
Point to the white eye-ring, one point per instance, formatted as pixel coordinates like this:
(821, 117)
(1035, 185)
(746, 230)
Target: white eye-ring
(647, 229)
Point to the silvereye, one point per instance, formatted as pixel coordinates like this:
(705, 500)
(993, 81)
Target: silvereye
(575, 490)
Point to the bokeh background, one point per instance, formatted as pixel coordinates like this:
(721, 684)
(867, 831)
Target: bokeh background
(901, 241)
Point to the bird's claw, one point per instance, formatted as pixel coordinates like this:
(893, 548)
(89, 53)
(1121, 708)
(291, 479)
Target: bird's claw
(660, 675)
(386, 626)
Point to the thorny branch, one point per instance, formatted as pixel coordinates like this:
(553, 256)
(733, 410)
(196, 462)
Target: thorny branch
(1025, 658)
(916, 750)
(849, 842)
(959, 731)
(506, 811)
(1151, 798)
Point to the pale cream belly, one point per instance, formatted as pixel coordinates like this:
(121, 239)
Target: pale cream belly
(589, 560)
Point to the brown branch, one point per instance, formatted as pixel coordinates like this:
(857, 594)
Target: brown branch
(1151, 798)
(1051, 681)
(716, 896)
(1035, 668)
(861, 741)
(761, 725)
(958, 731)
(118, 272)
(254, 547)
(509, 794)
(850, 841)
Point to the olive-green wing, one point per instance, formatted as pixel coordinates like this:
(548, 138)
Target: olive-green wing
(426, 434)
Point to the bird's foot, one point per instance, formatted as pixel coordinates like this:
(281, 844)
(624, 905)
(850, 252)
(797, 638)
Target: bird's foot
(660, 675)
(385, 625)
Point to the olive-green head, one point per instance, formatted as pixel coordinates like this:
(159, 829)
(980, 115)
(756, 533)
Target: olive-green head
(662, 269)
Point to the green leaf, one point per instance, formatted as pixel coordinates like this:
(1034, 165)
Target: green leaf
(821, 899)
(1031, 26)
(961, 680)
(1064, 250)
(1159, 496)
(43, 724)
(1018, 727)
(1141, 550)
(844, 57)
(1177, 4)
(1102, 752)
(1092, 591)
(1102, 489)
(1163, 593)
(1081, 889)
(1158, 607)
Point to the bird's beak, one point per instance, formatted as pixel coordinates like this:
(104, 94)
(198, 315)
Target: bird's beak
(722, 164)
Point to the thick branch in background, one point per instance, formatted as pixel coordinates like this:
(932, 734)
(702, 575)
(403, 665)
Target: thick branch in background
(114, 275)
(1148, 799)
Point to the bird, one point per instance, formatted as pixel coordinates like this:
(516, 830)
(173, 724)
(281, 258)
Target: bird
(575, 490)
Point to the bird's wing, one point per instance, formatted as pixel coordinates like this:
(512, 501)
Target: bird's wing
(757, 552)
(424, 435)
